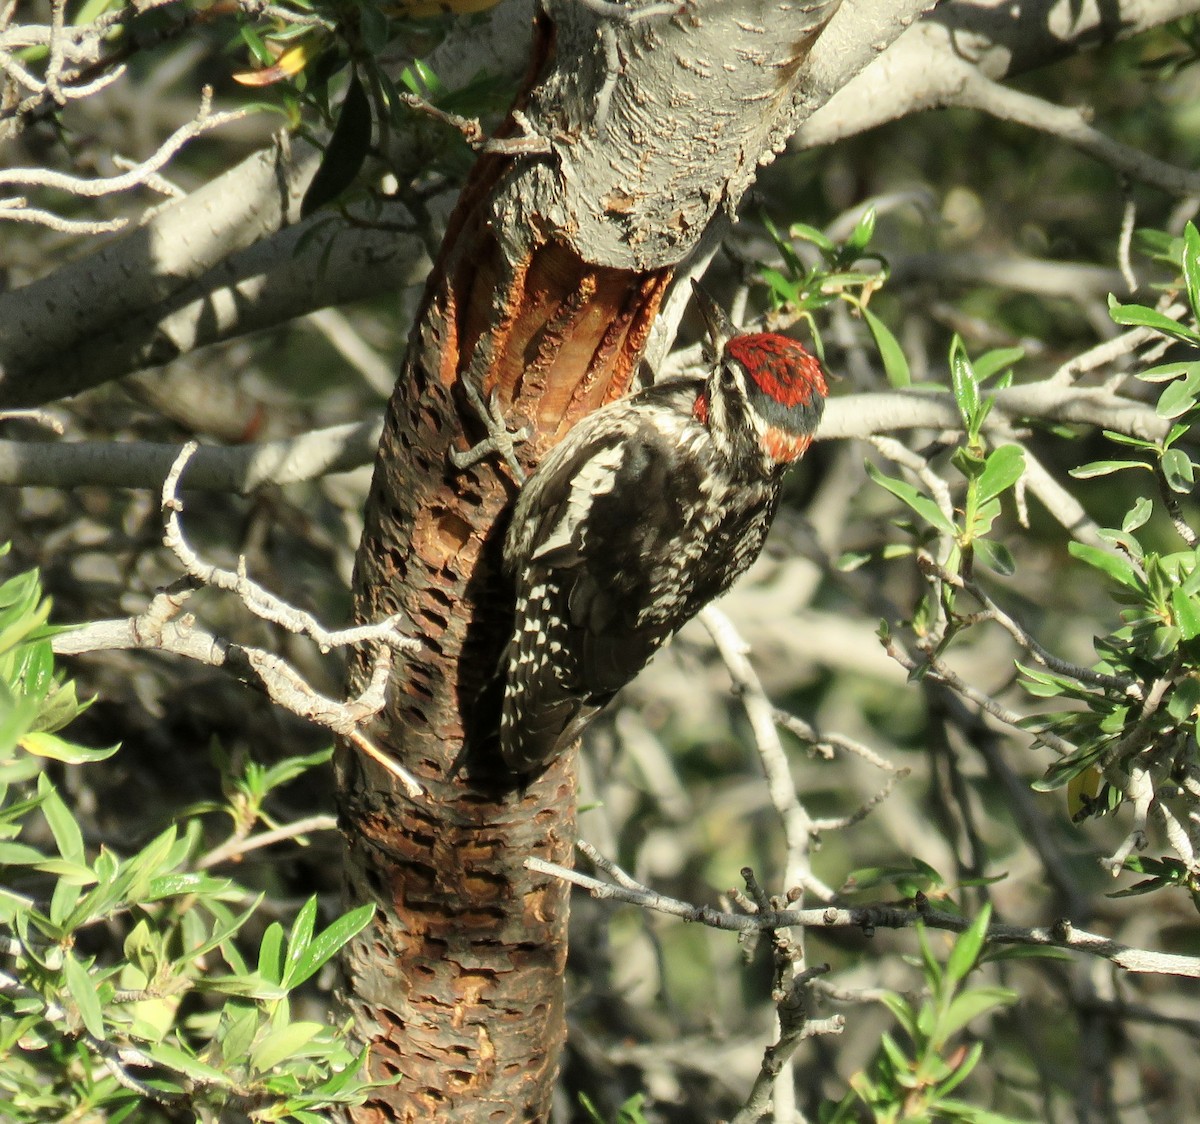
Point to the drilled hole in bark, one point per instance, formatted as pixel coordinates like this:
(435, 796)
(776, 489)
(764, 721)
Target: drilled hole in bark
(453, 531)
(413, 716)
(495, 914)
(379, 891)
(435, 593)
(389, 1022)
(432, 419)
(433, 618)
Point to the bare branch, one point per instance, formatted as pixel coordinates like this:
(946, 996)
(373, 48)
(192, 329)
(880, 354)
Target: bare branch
(1072, 126)
(239, 845)
(262, 603)
(869, 918)
(797, 824)
(238, 469)
(204, 121)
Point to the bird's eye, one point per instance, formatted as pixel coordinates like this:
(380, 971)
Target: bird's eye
(728, 377)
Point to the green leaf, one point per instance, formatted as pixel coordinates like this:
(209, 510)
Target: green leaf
(270, 953)
(995, 556)
(19, 854)
(176, 1060)
(1138, 316)
(1177, 469)
(895, 364)
(971, 1004)
(1185, 698)
(258, 48)
(920, 503)
(1167, 371)
(851, 560)
(252, 986)
(998, 359)
(54, 748)
(67, 836)
(291, 767)
(237, 1032)
(961, 1072)
(1027, 952)
(1003, 468)
(1137, 515)
(347, 148)
(1163, 641)
(1186, 611)
(281, 1044)
(1191, 266)
(71, 873)
(785, 291)
(1124, 541)
(1104, 468)
(374, 27)
(901, 1011)
(963, 381)
(967, 947)
(299, 938)
(1112, 565)
(327, 943)
(186, 882)
(1065, 769)
(811, 234)
(1179, 397)
(83, 991)
(1040, 683)
(1175, 433)
(863, 231)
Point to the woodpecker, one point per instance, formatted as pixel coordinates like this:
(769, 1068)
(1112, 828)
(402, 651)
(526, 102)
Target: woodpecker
(646, 511)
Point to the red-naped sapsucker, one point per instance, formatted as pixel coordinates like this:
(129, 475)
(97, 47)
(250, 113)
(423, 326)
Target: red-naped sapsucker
(647, 510)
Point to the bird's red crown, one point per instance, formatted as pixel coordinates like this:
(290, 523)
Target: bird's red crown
(780, 367)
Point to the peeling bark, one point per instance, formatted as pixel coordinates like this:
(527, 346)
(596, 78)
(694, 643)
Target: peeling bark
(550, 276)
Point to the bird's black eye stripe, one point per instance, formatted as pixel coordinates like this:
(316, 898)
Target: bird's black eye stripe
(728, 377)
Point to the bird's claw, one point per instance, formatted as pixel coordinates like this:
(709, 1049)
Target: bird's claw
(500, 440)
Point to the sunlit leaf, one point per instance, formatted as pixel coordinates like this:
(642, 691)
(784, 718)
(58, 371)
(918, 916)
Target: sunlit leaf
(1111, 564)
(288, 65)
(1177, 470)
(1139, 316)
(1003, 468)
(83, 991)
(920, 503)
(895, 365)
(1191, 266)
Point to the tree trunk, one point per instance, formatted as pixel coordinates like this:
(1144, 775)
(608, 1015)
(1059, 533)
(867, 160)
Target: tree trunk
(549, 278)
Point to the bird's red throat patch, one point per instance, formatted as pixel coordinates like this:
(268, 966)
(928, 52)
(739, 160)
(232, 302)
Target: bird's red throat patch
(784, 447)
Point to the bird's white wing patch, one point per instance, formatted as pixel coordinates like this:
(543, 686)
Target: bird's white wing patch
(596, 477)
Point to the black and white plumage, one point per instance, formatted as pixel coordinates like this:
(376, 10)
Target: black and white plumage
(646, 511)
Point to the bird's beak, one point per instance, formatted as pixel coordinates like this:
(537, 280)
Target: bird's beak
(720, 327)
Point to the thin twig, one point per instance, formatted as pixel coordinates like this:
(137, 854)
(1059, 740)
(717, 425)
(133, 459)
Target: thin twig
(237, 846)
(259, 601)
(883, 916)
